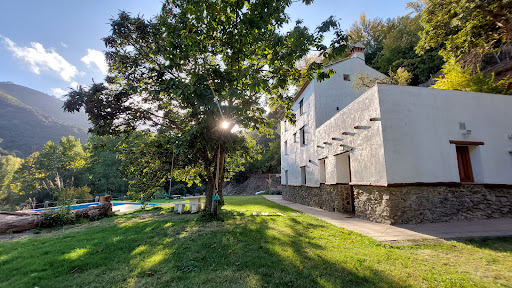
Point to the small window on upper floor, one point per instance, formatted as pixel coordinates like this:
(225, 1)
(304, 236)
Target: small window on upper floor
(286, 147)
(301, 106)
(346, 77)
(302, 136)
(295, 137)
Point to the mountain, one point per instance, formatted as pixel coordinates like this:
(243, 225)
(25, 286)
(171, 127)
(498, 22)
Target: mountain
(45, 104)
(29, 118)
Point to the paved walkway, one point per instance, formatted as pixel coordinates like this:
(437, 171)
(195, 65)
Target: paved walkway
(389, 233)
(126, 208)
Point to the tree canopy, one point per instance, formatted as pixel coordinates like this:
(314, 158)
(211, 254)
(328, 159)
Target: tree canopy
(196, 64)
(466, 29)
(456, 77)
(390, 45)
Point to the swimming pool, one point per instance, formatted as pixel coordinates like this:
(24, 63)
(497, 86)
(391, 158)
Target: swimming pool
(85, 205)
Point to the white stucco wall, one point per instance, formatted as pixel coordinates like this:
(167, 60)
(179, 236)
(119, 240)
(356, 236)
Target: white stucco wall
(367, 163)
(298, 154)
(409, 142)
(322, 100)
(366, 156)
(336, 93)
(418, 123)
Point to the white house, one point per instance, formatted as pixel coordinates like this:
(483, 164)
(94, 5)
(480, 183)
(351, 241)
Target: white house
(398, 154)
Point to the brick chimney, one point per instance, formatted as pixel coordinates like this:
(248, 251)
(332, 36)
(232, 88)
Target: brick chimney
(357, 51)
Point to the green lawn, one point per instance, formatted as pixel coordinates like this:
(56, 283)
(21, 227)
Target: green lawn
(161, 249)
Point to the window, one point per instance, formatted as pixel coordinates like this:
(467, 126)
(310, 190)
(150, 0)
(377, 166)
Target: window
(322, 170)
(346, 77)
(464, 162)
(286, 177)
(302, 136)
(303, 175)
(295, 137)
(286, 147)
(301, 106)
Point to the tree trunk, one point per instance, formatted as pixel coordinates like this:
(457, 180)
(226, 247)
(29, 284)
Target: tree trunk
(210, 187)
(211, 175)
(17, 222)
(221, 176)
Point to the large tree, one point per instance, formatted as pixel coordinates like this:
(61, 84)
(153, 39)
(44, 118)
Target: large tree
(67, 160)
(390, 45)
(369, 32)
(103, 166)
(199, 63)
(466, 29)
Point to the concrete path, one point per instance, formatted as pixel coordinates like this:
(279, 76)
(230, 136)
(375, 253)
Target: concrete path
(389, 233)
(125, 208)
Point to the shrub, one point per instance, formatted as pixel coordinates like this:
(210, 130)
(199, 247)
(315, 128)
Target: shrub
(179, 189)
(275, 192)
(68, 193)
(58, 217)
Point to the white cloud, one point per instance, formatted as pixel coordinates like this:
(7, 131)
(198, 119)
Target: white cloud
(73, 84)
(64, 45)
(58, 92)
(96, 57)
(39, 59)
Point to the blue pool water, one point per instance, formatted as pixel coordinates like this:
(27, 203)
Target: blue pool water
(85, 205)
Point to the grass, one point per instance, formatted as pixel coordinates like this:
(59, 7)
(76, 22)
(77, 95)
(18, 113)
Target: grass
(160, 249)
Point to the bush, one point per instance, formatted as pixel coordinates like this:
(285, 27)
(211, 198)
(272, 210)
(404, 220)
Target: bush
(58, 217)
(179, 189)
(275, 192)
(68, 193)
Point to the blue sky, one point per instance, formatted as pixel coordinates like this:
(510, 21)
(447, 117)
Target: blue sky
(56, 44)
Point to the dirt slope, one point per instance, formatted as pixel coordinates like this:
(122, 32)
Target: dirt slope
(255, 183)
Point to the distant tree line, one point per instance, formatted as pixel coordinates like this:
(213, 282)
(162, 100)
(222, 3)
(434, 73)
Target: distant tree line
(140, 166)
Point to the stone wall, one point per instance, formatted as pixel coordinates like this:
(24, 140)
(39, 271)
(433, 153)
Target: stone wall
(327, 197)
(427, 204)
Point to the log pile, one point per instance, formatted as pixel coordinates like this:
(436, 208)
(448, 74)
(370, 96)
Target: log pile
(26, 220)
(102, 209)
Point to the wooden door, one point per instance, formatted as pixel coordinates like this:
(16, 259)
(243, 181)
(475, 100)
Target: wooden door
(465, 170)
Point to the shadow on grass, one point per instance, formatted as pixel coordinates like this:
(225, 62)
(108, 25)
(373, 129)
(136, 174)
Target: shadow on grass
(146, 250)
(499, 244)
(216, 254)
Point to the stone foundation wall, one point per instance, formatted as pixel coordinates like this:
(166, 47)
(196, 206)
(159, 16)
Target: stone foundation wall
(427, 204)
(327, 197)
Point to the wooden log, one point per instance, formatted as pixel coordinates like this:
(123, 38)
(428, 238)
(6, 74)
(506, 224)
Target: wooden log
(107, 198)
(18, 223)
(103, 209)
(23, 221)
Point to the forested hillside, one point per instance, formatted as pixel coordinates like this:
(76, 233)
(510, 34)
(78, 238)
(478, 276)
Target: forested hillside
(45, 104)
(28, 119)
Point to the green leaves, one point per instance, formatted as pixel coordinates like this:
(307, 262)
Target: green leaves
(467, 29)
(455, 77)
(192, 66)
